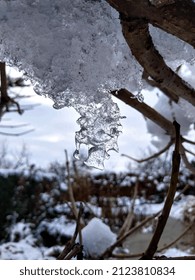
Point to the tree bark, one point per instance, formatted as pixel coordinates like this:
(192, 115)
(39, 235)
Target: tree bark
(140, 42)
(177, 18)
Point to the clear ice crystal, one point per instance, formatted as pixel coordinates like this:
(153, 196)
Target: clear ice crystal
(99, 130)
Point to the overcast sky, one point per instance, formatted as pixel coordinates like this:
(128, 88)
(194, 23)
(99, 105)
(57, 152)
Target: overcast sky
(54, 131)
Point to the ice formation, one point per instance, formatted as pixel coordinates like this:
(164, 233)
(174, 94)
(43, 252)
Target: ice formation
(73, 53)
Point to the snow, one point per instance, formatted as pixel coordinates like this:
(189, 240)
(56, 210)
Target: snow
(179, 209)
(97, 237)
(58, 226)
(20, 231)
(63, 186)
(69, 48)
(19, 251)
(175, 252)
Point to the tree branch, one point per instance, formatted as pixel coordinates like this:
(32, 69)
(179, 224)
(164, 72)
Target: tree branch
(150, 251)
(138, 38)
(127, 97)
(153, 156)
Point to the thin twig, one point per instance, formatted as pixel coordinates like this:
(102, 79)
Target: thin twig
(185, 159)
(75, 251)
(187, 140)
(153, 156)
(189, 152)
(109, 250)
(70, 190)
(150, 251)
(177, 258)
(126, 96)
(129, 219)
(177, 239)
(6, 100)
(16, 134)
(71, 243)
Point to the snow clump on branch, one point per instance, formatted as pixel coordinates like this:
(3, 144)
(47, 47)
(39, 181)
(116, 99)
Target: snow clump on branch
(73, 54)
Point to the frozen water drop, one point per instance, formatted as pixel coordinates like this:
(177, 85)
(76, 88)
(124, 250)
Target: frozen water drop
(76, 154)
(96, 158)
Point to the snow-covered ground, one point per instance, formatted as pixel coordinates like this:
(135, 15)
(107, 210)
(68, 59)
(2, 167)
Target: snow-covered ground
(97, 236)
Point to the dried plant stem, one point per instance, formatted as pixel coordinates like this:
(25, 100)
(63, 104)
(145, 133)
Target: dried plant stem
(70, 190)
(153, 156)
(71, 248)
(129, 219)
(126, 96)
(152, 248)
(6, 101)
(108, 252)
(177, 239)
(179, 258)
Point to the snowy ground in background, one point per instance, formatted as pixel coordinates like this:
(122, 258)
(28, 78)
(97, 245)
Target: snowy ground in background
(96, 233)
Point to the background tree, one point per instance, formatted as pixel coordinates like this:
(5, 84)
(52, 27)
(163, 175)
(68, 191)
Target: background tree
(10, 100)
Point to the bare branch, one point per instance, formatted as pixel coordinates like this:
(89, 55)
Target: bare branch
(153, 156)
(189, 152)
(108, 252)
(16, 134)
(122, 256)
(138, 38)
(126, 96)
(150, 251)
(185, 159)
(187, 141)
(69, 250)
(129, 219)
(70, 190)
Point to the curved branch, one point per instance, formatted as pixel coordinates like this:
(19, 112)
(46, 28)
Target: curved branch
(189, 152)
(153, 156)
(177, 19)
(152, 248)
(188, 141)
(16, 134)
(127, 97)
(185, 159)
(138, 38)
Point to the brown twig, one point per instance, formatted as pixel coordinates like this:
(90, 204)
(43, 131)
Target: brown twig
(185, 159)
(129, 219)
(128, 98)
(69, 249)
(70, 190)
(152, 156)
(177, 258)
(187, 140)
(122, 256)
(177, 239)
(189, 152)
(16, 134)
(109, 250)
(6, 100)
(152, 248)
